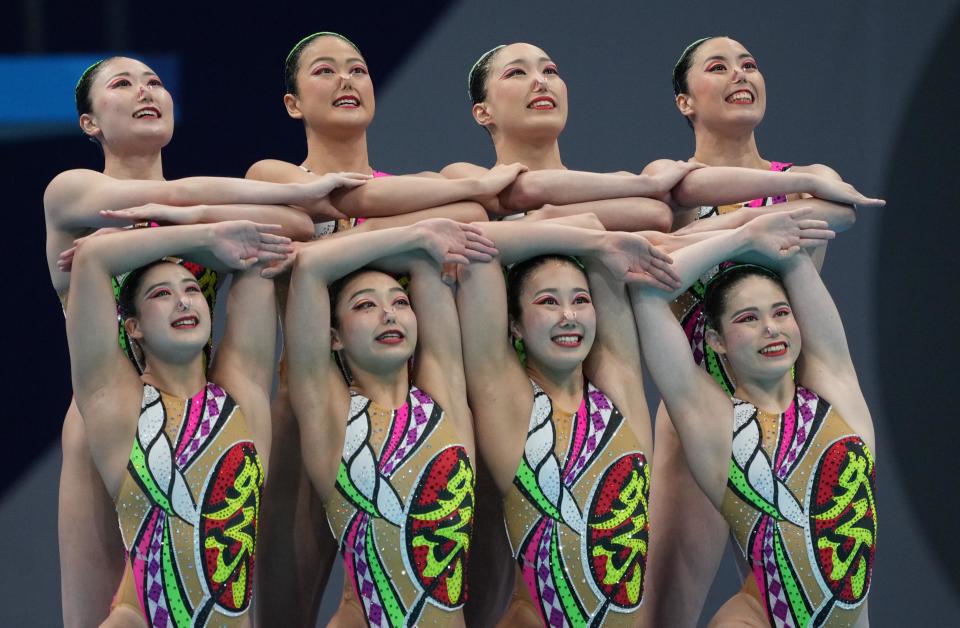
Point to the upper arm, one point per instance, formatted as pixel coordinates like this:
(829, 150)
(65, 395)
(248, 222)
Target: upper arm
(73, 199)
(276, 171)
(246, 353)
(618, 214)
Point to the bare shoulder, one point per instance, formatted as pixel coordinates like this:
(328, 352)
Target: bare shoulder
(462, 169)
(657, 165)
(69, 183)
(277, 171)
(819, 170)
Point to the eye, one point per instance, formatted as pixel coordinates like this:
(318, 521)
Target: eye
(401, 301)
(322, 69)
(193, 288)
(513, 72)
(159, 292)
(745, 318)
(155, 82)
(546, 300)
(362, 305)
(582, 298)
(120, 83)
(783, 311)
(750, 64)
(716, 67)
(358, 69)
(551, 69)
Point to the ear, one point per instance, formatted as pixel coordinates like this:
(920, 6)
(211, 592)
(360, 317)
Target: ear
(335, 343)
(132, 327)
(515, 330)
(685, 104)
(481, 114)
(715, 341)
(292, 103)
(89, 126)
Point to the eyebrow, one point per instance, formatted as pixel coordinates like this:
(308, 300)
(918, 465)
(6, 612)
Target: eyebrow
(523, 61)
(745, 55)
(557, 291)
(130, 74)
(168, 283)
(756, 309)
(332, 60)
(370, 290)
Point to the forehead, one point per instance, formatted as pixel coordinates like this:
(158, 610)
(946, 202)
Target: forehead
(720, 47)
(376, 281)
(754, 291)
(328, 46)
(122, 65)
(527, 53)
(555, 275)
(166, 272)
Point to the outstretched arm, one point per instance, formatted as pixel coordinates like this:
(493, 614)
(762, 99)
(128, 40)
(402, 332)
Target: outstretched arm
(615, 214)
(295, 224)
(74, 199)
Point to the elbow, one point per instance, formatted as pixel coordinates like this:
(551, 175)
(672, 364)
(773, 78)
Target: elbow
(299, 227)
(659, 216)
(525, 194)
(846, 219)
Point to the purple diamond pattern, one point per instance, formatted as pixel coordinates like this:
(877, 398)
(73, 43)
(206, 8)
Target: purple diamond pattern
(214, 404)
(365, 584)
(776, 597)
(421, 407)
(806, 409)
(599, 411)
(549, 600)
(153, 582)
(696, 341)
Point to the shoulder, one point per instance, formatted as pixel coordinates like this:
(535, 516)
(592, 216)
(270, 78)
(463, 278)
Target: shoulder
(462, 169)
(69, 183)
(277, 171)
(819, 170)
(658, 165)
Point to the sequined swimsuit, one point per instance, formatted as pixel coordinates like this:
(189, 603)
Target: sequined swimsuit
(403, 511)
(800, 504)
(577, 513)
(188, 511)
(342, 224)
(688, 307)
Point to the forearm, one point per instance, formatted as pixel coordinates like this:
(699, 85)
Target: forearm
(519, 240)
(225, 190)
(691, 261)
(389, 196)
(461, 212)
(128, 249)
(332, 258)
(838, 217)
(725, 185)
(618, 214)
(537, 188)
(294, 224)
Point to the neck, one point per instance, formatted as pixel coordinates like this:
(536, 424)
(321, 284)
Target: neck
(388, 390)
(337, 153)
(565, 388)
(179, 380)
(738, 148)
(133, 165)
(772, 396)
(536, 154)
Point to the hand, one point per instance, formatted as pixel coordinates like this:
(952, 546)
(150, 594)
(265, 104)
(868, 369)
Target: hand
(781, 235)
(240, 244)
(665, 180)
(154, 211)
(276, 268)
(316, 194)
(65, 259)
(840, 192)
(498, 178)
(450, 242)
(632, 259)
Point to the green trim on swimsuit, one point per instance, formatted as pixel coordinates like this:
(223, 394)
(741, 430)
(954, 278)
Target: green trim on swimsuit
(138, 460)
(389, 600)
(177, 604)
(572, 609)
(527, 480)
(798, 603)
(741, 486)
(345, 484)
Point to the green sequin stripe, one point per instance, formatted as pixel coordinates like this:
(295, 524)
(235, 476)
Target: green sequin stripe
(798, 602)
(138, 464)
(526, 481)
(389, 600)
(347, 488)
(177, 603)
(715, 369)
(738, 482)
(574, 612)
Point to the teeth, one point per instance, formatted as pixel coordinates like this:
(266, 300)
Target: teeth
(774, 348)
(145, 112)
(740, 97)
(541, 104)
(348, 100)
(185, 322)
(567, 339)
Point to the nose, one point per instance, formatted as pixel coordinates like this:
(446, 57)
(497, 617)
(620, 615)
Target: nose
(389, 314)
(539, 82)
(569, 316)
(184, 303)
(771, 330)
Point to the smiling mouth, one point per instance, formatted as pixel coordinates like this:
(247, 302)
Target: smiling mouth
(187, 322)
(349, 102)
(774, 350)
(542, 104)
(147, 112)
(568, 340)
(741, 97)
(391, 337)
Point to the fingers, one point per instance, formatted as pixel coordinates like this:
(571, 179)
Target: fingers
(797, 214)
(646, 279)
(271, 256)
(355, 175)
(790, 251)
(659, 254)
(264, 228)
(448, 274)
(133, 214)
(455, 258)
(870, 203)
(817, 234)
(811, 223)
(246, 262)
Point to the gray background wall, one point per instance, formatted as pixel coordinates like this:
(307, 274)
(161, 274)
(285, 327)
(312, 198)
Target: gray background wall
(869, 89)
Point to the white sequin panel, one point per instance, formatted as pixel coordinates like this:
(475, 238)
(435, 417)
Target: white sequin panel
(363, 472)
(355, 435)
(760, 476)
(160, 462)
(388, 503)
(151, 417)
(539, 445)
(571, 513)
(182, 501)
(548, 477)
(745, 443)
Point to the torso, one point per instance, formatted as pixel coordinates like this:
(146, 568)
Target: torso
(189, 511)
(688, 307)
(403, 512)
(577, 514)
(800, 504)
